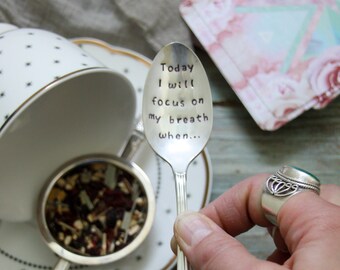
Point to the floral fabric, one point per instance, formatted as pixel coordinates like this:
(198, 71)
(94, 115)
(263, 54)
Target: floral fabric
(280, 57)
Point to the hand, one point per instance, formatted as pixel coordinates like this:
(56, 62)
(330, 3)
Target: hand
(308, 236)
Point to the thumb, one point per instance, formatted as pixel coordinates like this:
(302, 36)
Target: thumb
(207, 246)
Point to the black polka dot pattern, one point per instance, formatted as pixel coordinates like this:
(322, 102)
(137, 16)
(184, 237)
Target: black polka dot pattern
(23, 262)
(40, 57)
(34, 265)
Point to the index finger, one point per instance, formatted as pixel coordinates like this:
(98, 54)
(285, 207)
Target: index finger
(239, 208)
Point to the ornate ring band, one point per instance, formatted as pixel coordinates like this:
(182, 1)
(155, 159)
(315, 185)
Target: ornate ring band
(285, 183)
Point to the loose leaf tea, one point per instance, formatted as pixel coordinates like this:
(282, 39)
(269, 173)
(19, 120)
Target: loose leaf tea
(96, 209)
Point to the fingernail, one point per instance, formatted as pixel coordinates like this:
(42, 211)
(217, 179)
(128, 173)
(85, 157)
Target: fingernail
(192, 228)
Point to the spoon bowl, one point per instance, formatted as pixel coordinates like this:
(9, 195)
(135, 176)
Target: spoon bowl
(177, 106)
(177, 114)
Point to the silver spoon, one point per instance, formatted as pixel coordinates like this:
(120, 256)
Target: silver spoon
(177, 115)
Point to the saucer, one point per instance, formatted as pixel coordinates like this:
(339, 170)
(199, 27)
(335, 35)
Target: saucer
(21, 245)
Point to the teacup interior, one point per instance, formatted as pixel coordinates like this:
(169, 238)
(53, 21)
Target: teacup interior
(88, 112)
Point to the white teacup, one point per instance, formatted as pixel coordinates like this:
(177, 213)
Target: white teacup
(56, 103)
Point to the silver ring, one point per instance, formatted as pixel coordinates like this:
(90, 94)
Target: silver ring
(285, 183)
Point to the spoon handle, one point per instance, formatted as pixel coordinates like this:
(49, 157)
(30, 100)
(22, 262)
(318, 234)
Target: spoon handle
(181, 192)
(62, 265)
(182, 206)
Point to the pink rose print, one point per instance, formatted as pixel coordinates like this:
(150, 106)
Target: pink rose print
(324, 75)
(281, 94)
